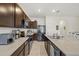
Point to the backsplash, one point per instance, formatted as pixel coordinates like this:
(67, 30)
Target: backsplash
(5, 30)
(9, 30)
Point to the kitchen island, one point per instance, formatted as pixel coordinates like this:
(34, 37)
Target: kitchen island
(70, 47)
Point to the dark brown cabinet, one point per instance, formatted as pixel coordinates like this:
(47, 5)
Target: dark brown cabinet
(11, 15)
(19, 15)
(35, 24)
(32, 24)
(46, 44)
(47, 47)
(27, 50)
(51, 48)
(6, 15)
(34, 36)
(21, 53)
(24, 49)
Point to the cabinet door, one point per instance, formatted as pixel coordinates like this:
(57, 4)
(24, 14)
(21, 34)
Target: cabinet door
(6, 15)
(32, 24)
(26, 48)
(48, 47)
(51, 50)
(19, 16)
(22, 53)
(35, 24)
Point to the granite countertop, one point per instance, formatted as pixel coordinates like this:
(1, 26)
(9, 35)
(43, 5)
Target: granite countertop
(68, 46)
(7, 50)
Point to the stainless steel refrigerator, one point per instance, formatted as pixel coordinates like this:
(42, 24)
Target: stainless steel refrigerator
(41, 30)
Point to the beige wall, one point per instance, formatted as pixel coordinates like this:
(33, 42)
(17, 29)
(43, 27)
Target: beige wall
(70, 22)
(40, 20)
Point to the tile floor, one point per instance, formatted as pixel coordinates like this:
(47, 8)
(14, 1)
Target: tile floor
(38, 49)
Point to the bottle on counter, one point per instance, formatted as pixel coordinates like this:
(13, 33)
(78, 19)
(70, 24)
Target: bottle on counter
(17, 34)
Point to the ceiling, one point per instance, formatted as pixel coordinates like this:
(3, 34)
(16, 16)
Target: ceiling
(45, 9)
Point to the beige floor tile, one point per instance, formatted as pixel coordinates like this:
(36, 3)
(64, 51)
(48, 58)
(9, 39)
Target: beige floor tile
(38, 49)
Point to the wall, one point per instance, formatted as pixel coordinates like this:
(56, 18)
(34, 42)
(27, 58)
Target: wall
(6, 15)
(4, 30)
(51, 23)
(40, 20)
(66, 24)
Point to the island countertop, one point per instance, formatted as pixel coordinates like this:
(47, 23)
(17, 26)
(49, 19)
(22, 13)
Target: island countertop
(8, 50)
(69, 47)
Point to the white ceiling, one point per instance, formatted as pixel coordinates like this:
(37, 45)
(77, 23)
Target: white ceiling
(66, 9)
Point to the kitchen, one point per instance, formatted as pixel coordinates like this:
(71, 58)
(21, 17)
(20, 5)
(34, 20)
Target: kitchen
(32, 29)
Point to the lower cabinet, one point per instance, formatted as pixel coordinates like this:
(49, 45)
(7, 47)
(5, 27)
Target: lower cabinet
(20, 51)
(23, 50)
(48, 48)
(56, 51)
(52, 49)
(27, 48)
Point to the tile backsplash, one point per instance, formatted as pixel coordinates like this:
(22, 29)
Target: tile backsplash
(5, 30)
(9, 30)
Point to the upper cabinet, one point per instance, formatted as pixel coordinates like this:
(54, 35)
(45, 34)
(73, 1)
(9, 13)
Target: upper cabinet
(22, 20)
(12, 15)
(6, 15)
(20, 16)
(32, 24)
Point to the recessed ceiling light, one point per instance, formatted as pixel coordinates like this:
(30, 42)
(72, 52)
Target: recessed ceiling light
(61, 22)
(39, 10)
(53, 10)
